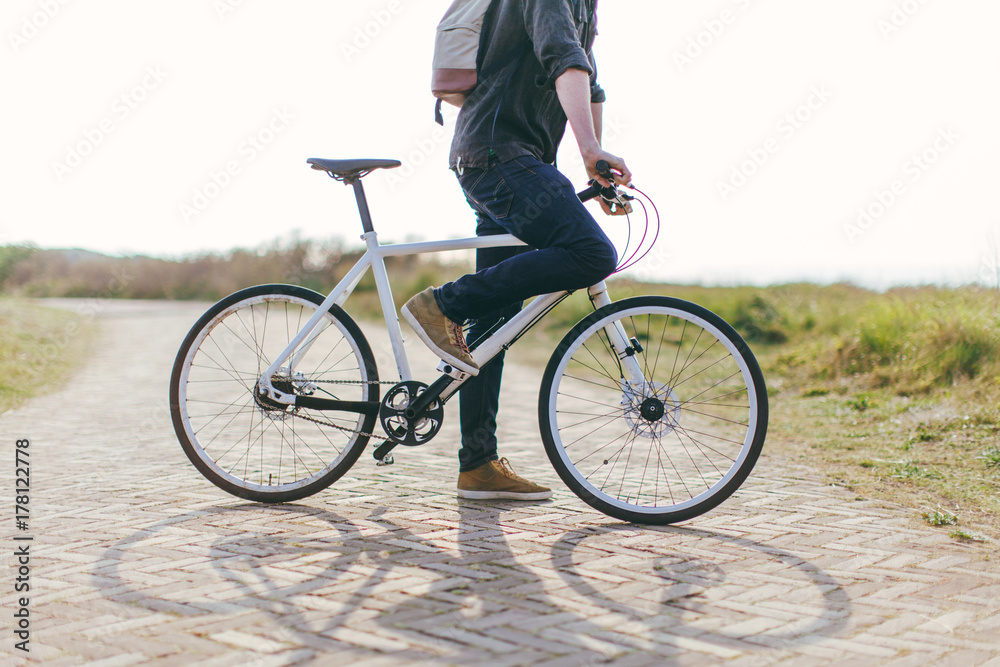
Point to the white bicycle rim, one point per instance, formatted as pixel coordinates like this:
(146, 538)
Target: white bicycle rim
(189, 427)
(711, 489)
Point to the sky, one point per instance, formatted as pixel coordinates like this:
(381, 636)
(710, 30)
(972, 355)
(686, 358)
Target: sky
(781, 140)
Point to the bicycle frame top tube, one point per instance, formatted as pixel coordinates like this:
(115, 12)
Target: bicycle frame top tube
(374, 258)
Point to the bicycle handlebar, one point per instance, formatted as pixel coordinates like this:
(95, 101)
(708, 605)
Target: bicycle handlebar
(610, 194)
(604, 169)
(589, 193)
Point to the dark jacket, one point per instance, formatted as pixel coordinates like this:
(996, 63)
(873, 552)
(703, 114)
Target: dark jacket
(514, 109)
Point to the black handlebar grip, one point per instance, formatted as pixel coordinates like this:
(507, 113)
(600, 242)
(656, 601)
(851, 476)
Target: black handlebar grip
(590, 192)
(595, 189)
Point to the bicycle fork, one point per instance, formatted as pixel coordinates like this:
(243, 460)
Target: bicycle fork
(625, 348)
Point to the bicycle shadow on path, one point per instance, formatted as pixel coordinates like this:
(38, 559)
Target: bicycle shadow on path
(476, 588)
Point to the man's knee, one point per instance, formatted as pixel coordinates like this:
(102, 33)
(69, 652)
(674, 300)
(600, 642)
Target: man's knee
(604, 260)
(594, 263)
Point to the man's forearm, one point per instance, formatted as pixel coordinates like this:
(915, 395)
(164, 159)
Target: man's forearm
(573, 89)
(597, 111)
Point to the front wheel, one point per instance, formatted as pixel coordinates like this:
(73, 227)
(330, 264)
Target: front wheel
(241, 440)
(662, 428)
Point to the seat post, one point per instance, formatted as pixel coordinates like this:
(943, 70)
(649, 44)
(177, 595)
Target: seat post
(359, 194)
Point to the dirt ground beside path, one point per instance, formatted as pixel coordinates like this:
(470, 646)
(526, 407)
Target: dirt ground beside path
(137, 559)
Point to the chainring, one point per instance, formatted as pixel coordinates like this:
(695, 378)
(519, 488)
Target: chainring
(398, 427)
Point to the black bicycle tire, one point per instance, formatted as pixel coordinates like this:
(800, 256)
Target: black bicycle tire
(668, 516)
(355, 448)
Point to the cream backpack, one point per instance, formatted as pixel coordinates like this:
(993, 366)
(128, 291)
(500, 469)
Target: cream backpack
(456, 51)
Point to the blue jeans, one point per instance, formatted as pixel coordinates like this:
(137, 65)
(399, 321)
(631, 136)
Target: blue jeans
(567, 251)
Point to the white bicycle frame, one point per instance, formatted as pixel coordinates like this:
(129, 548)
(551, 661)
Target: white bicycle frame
(374, 258)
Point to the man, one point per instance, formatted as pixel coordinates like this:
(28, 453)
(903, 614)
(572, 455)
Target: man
(540, 72)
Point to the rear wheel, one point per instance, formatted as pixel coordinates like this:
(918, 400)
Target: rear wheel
(666, 448)
(244, 442)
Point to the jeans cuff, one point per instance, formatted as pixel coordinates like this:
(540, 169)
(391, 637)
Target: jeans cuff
(478, 462)
(441, 306)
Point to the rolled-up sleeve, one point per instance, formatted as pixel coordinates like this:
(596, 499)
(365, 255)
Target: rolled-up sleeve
(597, 95)
(554, 36)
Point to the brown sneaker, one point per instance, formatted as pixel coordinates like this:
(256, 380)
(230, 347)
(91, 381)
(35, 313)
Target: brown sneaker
(495, 479)
(439, 333)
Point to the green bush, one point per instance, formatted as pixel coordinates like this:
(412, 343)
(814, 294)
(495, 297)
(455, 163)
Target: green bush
(913, 340)
(963, 348)
(758, 320)
(10, 257)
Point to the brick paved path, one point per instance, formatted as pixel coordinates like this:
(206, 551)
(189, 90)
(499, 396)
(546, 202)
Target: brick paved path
(138, 559)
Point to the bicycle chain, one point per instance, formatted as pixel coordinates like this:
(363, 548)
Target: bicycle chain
(337, 426)
(393, 382)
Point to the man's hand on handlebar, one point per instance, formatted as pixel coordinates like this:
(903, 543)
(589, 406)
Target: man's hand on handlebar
(620, 172)
(617, 173)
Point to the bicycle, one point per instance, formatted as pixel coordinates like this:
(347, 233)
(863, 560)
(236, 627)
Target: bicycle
(651, 409)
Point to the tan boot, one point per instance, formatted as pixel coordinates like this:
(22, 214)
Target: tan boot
(495, 479)
(439, 333)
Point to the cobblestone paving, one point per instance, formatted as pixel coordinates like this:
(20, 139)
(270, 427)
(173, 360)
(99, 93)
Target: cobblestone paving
(137, 559)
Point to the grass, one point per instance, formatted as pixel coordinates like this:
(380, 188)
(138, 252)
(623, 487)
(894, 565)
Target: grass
(965, 536)
(913, 341)
(39, 348)
(861, 402)
(910, 470)
(918, 452)
(991, 457)
(940, 518)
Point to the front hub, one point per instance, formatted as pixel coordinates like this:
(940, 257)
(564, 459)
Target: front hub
(652, 409)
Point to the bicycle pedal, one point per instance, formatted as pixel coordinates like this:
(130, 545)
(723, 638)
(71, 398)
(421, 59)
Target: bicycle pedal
(451, 371)
(383, 453)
